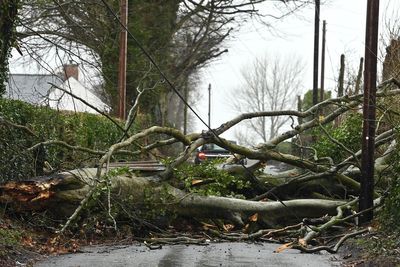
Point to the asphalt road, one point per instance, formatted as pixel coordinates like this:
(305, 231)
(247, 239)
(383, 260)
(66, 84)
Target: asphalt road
(216, 254)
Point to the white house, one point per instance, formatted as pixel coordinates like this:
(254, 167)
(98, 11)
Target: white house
(31, 88)
(58, 99)
(37, 89)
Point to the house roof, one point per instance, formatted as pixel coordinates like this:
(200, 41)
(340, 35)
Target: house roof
(58, 99)
(31, 88)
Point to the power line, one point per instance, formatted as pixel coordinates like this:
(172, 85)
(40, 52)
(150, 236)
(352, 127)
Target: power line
(185, 102)
(147, 54)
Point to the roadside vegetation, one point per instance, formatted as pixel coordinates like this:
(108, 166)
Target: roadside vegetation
(69, 179)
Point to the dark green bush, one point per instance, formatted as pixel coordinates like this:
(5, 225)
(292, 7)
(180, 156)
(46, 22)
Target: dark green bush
(80, 129)
(389, 216)
(216, 182)
(348, 133)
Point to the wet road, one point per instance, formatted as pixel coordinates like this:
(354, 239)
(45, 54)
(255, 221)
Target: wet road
(217, 254)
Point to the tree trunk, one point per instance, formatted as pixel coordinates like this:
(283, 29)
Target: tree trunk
(61, 195)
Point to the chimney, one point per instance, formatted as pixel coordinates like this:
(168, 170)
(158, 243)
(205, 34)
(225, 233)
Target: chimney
(71, 70)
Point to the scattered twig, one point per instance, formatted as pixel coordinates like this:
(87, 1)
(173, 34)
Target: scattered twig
(330, 249)
(21, 127)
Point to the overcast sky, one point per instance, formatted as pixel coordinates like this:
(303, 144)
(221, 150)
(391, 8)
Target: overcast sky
(345, 34)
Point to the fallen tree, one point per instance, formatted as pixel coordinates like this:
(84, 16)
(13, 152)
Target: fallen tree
(329, 185)
(62, 193)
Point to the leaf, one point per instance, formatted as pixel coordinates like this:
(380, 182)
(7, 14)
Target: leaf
(228, 227)
(28, 241)
(284, 247)
(207, 225)
(196, 182)
(303, 242)
(254, 217)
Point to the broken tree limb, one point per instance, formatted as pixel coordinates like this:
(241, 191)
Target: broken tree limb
(331, 249)
(17, 126)
(76, 148)
(313, 232)
(61, 194)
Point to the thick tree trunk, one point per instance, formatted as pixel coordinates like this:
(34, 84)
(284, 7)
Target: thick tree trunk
(62, 193)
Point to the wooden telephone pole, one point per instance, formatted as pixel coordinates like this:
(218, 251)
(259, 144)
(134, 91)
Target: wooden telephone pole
(123, 41)
(322, 89)
(369, 112)
(316, 52)
(209, 105)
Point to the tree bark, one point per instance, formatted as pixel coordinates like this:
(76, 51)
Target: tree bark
(61, 194)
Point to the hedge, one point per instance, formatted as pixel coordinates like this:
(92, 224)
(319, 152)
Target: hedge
(80, 129)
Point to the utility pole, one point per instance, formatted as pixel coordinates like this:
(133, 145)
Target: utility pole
(123, 41)
(299, 109)
(369, 112)
(316, 52)
(185, 108)
(322, 89)
(209, 105)
(342, 69)
(341, 75)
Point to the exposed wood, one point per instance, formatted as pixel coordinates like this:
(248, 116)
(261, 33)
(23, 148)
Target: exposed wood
(62, 193)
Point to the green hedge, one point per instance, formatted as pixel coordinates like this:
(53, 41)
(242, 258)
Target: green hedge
(80, 129)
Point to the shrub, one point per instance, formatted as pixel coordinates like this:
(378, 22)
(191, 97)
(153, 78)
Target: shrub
(348, 133)
(80, 129)
(215, 182)
(389, 216)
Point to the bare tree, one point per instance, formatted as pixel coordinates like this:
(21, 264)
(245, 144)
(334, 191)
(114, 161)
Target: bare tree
(183, 36)
(269, 84)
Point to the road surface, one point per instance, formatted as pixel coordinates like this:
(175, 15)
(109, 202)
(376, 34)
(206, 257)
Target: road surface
(215, 254)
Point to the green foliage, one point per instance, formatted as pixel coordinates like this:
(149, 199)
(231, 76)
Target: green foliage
(389, 217)
(308, 98)
(217, 182)
(348, 134)
(9, 237)
(8, 15)
(154, 27)
(285, 147)
(155, 202)
(79, 129)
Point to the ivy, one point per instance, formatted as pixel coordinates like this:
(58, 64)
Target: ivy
(8, 15)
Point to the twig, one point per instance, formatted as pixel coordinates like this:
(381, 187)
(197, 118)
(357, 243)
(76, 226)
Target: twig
(89, 105)
(175, 241)
(330, 249)
(337, 142)
(79, 148)
(14, 125)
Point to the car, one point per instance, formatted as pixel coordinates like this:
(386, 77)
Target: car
(210, 152)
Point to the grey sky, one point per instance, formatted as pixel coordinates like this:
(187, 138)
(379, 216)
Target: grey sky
(345, 34)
